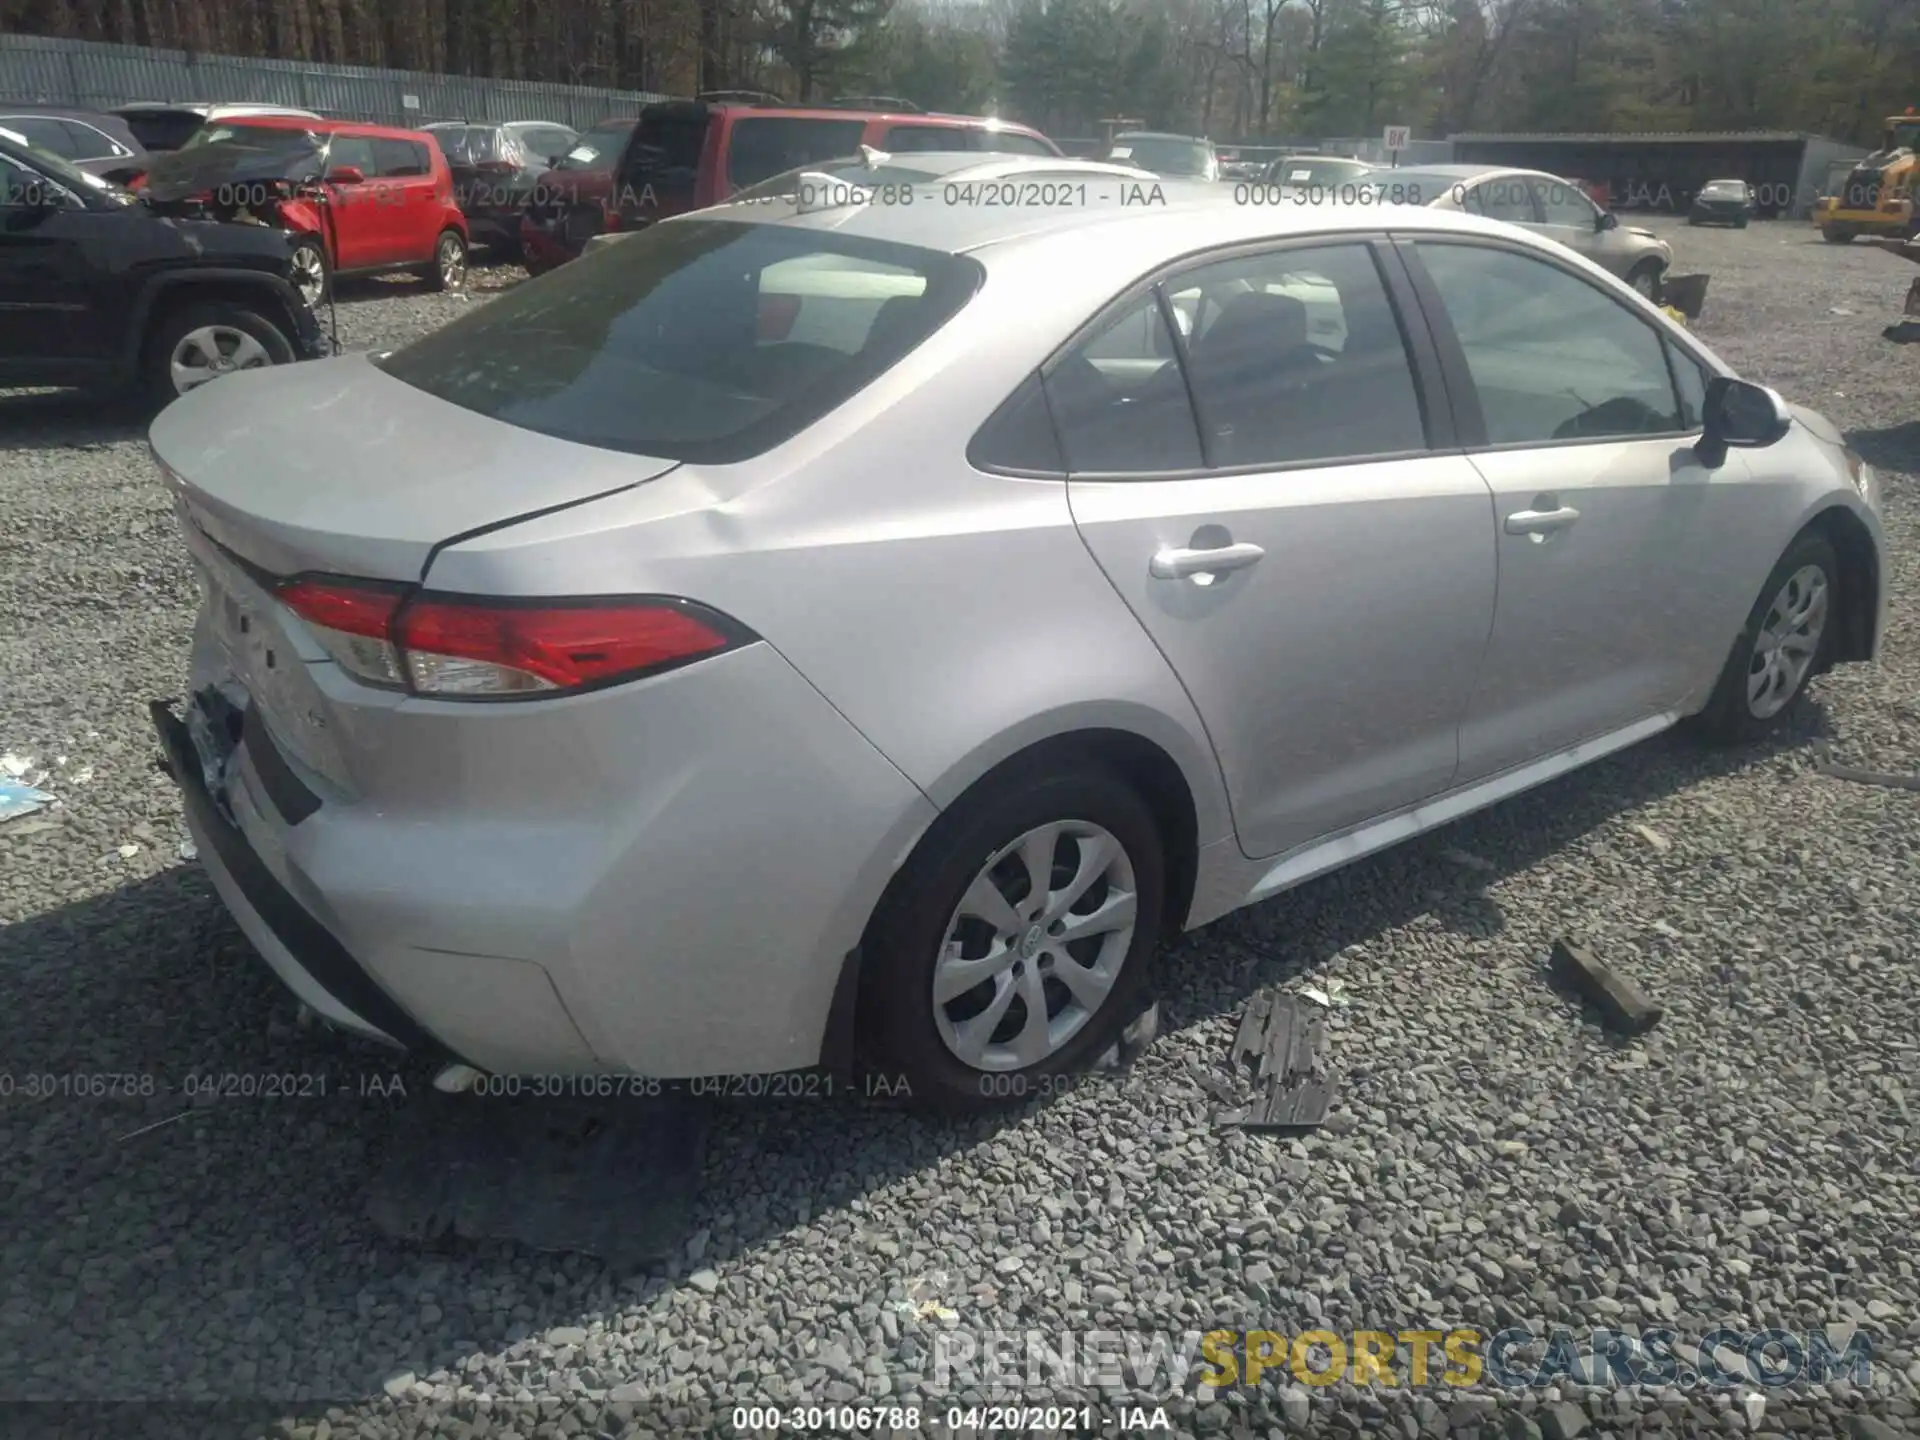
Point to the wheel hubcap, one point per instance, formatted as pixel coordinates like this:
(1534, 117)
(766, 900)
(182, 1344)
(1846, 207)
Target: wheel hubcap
(1643, 282)
(309, 274)
(1035, 946)
(212, 351)
(453, 261)
(1788, 640)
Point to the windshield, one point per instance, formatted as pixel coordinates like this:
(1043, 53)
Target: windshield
(1724, 187)
(259, 139)
(63, 170)
(599, 149)
(1164, 154)
(467, 144)
(702, 340)
(1315, 170)
(1903, 135)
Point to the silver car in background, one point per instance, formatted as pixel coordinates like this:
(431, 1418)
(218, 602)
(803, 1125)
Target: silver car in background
(802, 634)
(1542, 203)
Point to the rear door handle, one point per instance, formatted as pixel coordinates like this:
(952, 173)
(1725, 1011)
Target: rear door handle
(1539, 522)
(1178, 564)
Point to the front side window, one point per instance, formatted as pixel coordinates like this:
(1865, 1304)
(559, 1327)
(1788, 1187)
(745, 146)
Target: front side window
(400, 159)
(1503, 197)
(702, 340)
(1552, 357)
(1296, 356)
(93, 143)
(1563, 203)
(598, 149)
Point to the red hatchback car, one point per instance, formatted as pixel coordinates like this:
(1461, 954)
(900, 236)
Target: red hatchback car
(684, 155)
(363, 198)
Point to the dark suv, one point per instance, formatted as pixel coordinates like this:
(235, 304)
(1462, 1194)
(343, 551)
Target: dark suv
(684, 155)
(99, 291)
(496, 169)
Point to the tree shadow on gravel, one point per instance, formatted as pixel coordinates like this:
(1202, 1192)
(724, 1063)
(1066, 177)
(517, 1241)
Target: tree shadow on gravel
(163, 1245)
(68, 420)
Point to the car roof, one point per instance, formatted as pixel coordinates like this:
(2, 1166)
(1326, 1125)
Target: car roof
(1157, 219)
(1161, 135)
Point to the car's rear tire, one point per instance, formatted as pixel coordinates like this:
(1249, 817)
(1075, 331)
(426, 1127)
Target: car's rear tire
(1785, 642)
(311, 273)
(200, 341)
(1835, 234)
(449, 268)
(937, 1047)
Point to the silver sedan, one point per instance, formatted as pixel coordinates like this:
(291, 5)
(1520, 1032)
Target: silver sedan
(861, 630)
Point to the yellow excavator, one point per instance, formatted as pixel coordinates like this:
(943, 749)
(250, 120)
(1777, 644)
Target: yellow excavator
(1877, 197)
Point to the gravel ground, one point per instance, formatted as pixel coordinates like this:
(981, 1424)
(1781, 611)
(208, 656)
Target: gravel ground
(1493, 1158)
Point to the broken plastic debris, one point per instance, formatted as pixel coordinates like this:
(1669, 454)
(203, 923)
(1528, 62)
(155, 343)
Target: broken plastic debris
(17, 800)
(15, 765)
(82, 775)
(189, 851)
(1653, 837)
(1333, 993)
(1282, 1054)
(127, 852)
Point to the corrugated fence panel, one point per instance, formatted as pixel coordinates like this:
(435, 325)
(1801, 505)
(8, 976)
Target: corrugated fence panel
(93, 75)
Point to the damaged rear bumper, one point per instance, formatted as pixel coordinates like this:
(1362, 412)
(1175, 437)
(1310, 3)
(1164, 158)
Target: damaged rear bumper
(309, 960)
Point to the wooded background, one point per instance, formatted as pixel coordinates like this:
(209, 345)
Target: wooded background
(1234, 69)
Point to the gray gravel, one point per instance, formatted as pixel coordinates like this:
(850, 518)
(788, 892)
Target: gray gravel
(1493, 1158)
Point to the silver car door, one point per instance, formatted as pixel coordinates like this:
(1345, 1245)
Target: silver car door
(1315, 566)
(1603, 510)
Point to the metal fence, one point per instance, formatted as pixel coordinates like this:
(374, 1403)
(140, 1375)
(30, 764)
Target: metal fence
(90, 75)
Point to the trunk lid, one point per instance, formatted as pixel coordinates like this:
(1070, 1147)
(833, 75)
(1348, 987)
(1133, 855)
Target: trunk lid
(337, 467)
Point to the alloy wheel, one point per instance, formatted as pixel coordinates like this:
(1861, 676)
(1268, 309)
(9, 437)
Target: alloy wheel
(1035, 946)
(452, 260)
(310, 275)
(212, 351)
(1789, 639)
(1643, 282)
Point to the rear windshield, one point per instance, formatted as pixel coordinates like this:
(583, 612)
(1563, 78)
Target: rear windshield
(164, 129)
(1164, 155)
(470, 144)
(598, 149)
(701, 340)
(1309, 170)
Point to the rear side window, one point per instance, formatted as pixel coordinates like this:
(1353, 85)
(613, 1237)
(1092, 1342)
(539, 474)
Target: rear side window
(1504, 197)
(665, 154)
(920, 138)
(1297, 356)
(165, 129)
(1120, 400)
(545, 143)
(1008, 142)
(701, 340)
(1019, 436)
(401, 159)
(90, 142)
(761, 146)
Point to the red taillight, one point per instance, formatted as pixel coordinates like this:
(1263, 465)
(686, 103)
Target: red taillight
(461, 647)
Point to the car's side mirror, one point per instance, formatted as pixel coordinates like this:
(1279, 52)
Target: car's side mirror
(1606, 220)
(345, 175)
(1739, 414)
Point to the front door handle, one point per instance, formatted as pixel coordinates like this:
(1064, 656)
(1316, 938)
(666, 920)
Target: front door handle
(1540, 522)
(1178, 564)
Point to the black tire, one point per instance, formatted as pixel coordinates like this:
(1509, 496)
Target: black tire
(174, 325)
(1740, 224)
(1728, 718)
(1649, 270)
(448, 242)
(1835, 234)
(309, 252)
(900, 1040)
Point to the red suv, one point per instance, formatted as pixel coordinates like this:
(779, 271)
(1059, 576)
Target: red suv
(684, 155)
(361, 198)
